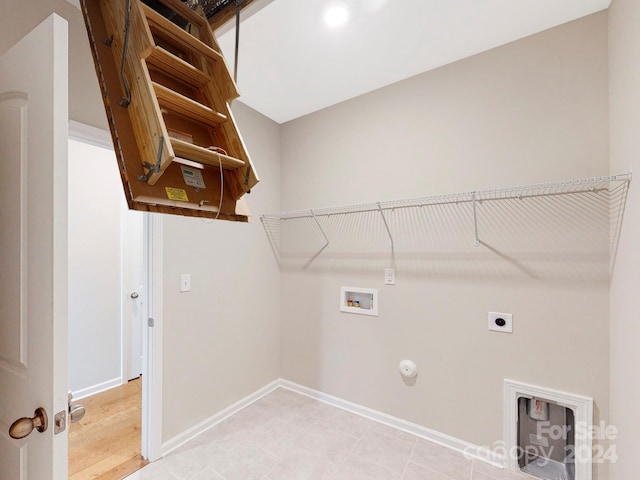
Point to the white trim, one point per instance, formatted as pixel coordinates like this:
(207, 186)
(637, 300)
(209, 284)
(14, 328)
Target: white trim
(152, 348)
(98, 388)
(470, 450)
(152, 341)
(206, 424)
(583, 414)
(81, 132)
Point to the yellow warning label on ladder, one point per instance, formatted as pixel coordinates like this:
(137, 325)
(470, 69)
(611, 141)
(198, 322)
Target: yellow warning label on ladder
(176, 194)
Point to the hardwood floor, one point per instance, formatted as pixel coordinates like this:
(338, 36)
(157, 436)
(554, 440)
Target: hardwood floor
(105, 444)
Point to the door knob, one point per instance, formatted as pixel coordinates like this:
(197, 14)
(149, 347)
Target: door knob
(25, 425)
(134, 295)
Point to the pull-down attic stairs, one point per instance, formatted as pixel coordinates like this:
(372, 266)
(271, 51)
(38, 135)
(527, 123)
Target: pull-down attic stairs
(166, 90)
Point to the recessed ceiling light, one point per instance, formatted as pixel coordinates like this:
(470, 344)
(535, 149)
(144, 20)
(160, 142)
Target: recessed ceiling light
(336, 15)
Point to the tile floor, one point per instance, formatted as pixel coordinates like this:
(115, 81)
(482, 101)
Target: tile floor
(287, 436)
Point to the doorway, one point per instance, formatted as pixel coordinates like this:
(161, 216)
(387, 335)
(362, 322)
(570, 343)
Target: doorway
(106, 307)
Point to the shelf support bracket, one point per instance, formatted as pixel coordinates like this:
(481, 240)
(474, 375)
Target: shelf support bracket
(327, 242)
(326, 239)
(386, 225)
(151, 169)
(126, 100)
(476, 240)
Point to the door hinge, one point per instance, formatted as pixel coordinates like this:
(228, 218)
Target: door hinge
(150, 322)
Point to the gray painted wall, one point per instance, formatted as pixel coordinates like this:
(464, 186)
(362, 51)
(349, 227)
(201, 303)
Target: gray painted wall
(624, 67)
(532, 111)
(19, 18)
(222, 339)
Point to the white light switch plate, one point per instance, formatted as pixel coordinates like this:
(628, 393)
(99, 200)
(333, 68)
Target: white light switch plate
(389, 276)
(185, 282)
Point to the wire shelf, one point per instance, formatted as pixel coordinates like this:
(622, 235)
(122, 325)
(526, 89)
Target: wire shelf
(564, 187)
(585, 200)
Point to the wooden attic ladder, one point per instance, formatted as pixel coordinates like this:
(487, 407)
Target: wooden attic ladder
(166, 90)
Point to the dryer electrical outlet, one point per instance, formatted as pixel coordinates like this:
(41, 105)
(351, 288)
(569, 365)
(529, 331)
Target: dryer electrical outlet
(500, 322)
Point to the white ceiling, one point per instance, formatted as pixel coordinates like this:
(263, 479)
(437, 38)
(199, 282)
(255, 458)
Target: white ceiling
(292, 64)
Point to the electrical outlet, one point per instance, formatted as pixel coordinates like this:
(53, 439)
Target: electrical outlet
(389, 276)
(500, 322)
(185, 282)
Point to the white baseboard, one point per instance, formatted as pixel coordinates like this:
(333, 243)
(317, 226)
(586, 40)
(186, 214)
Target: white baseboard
(466, 448)
(206, 424)
(98, 388)
(434, 436)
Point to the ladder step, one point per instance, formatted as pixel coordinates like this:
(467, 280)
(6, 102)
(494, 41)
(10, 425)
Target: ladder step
(175, 33)
(178, 68)
(204, 155)
(191, 109)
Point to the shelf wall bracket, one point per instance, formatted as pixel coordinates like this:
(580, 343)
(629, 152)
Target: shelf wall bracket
(386, 225)
(476, 240)
(326, 239)
(327, 242)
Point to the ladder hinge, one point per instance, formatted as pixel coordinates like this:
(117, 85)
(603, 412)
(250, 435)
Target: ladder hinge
(150, 322)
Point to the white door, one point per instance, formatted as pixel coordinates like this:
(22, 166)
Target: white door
(33, 249)
(95, 269)
(132, 273)
(106, 291)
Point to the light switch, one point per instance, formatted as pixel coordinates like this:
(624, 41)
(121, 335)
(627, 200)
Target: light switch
(185, 282)
(389, 276)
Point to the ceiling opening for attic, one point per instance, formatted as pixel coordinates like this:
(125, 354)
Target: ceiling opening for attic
(210, 8)
(207, 8)
(166, 90)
